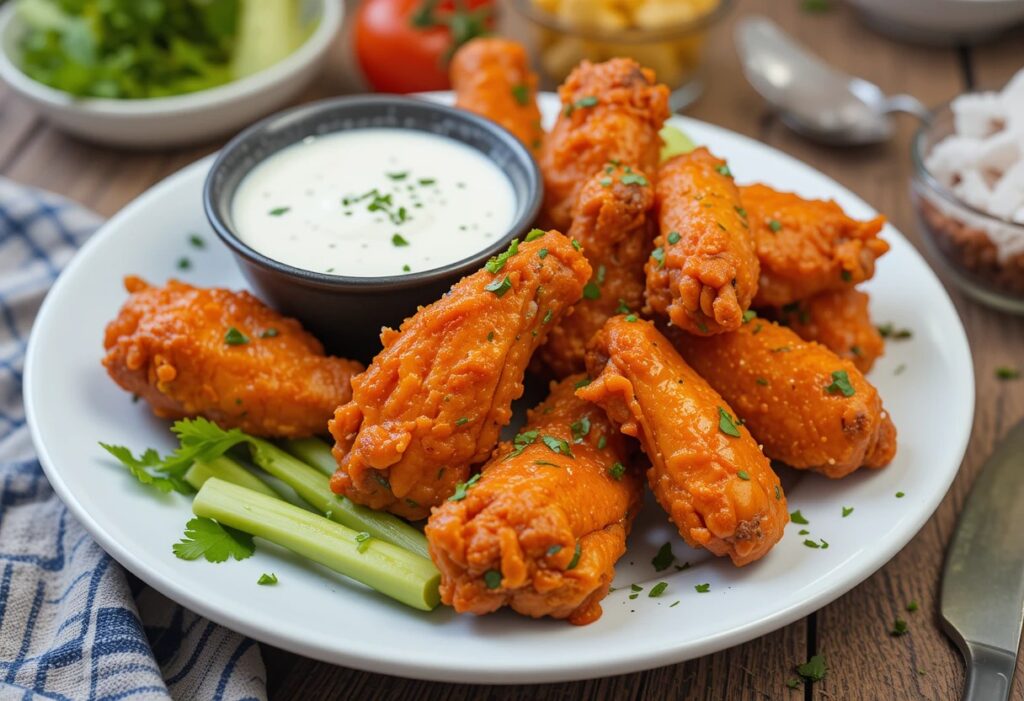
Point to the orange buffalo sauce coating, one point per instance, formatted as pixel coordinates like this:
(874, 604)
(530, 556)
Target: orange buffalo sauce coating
(492, 78)
(611, 113)
(706, 470)
(838, 320)
(703, 273)
(540, 530)
(431, 404)
(193, 351)
(808, 246)
(806, 406)
(613, 222)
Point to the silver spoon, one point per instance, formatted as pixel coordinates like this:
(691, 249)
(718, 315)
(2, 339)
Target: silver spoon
(813, 98)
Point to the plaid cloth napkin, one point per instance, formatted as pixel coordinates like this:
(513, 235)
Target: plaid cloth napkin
(73, 624)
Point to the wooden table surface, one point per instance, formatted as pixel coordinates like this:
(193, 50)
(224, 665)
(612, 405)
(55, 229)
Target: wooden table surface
(864, 661)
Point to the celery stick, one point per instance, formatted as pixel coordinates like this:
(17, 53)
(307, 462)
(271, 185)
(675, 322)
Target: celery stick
(228, 470)
(312, 451)
(313, 487)
(405, 577)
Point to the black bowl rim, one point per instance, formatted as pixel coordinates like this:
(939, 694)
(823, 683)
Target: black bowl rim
(358, 284)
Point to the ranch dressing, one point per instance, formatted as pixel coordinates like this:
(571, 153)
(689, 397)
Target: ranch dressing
(373, 202)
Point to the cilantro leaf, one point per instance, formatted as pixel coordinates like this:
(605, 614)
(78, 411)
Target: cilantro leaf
(727, 424)
(266, 579)
(814, 669)
(557, 445)
(140, 466)
(664, 559)
(797, 517)
(207, 538)
(840, 384)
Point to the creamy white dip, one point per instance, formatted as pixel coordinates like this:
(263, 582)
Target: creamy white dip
(373, 202)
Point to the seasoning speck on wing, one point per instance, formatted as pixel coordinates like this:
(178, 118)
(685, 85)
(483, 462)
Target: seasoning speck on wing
(431, 404)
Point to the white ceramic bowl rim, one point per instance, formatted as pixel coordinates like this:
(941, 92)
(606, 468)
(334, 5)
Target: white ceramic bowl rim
(326, 29)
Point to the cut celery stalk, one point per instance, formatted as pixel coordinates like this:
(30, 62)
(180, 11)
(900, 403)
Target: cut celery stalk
(405, 577)
(228, 470)
(313, 487)
(312, 451)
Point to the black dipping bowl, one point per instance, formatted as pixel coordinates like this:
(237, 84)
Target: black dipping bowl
(347, 313)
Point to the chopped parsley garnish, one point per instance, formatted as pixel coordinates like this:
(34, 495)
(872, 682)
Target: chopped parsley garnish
(575, 557)
(658, 254)
(554, 549)
(583, 382)
(399, 240)
(749, 315)
(633, 179)
(576, 245)
(774, 225)
(816, 5)
(547, 316)
(600, 275)
(899, 627)
(605, 182)
(703, 588)
(602, 442)
(811, 544)
(793, 682)
(362, 541)
(674, 604)
(521, 93)
(803, 531)
(278, 211)
(846, 275)
(591, 291)
(580, 428)
(184, 263)
(462, 487)
(557, 445)
(664, 559)
(673, 237)
(636, 587)
(912, 606)
(1007, 373)
(761, 381)
(492, 578)
(582, 103)
(496, 263)
(269, 333)
(727, 424)
(216, 543)
(814, 669)
(521, 441)
(616, 471)
(778, 493)
(847, 510)
(542, 253)
(723, 169)
(657, 590)
(462, 421)
(631, 318)
(399, 176)
(743, 475)
(797, 517)
(196, 241)
(545, 463)
(234, 337)
(740, 211)
(900, 495)
(623, 308)
(888, 330)
(499, 287)
(840, 384)
(266, 579)
(534, 235)
(427, 181)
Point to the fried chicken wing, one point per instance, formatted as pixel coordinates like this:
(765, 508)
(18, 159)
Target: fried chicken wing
(611, 112)
(224, 355)
(612, 220)
(838, 320)
(808, 246)
(806, 406)
(432, 402)
(492, 78)
(706, 470)
(704, 271)
(541, 529)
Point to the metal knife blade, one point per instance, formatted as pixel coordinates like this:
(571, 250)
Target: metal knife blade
(983, 583)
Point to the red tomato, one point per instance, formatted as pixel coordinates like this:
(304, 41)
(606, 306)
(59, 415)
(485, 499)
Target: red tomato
(404, 45)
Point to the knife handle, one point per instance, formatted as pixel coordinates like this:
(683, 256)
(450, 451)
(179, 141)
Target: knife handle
(989, 673)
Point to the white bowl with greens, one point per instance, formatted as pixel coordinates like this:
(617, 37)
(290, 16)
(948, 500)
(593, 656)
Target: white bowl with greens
(163, 73)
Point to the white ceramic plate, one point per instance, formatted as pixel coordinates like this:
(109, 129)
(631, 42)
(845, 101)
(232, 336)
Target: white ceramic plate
(71, 405)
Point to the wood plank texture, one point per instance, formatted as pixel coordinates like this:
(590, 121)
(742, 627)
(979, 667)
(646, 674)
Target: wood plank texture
(865, 662)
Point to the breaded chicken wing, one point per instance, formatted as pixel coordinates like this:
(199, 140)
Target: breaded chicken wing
(541, 528)
(703, 273)
(806, 406)
(808, 246)
(612, 220)
(224, 355)
(838, 320)
(706, 470)
(492, 78)
(432, 402)
(611, 113)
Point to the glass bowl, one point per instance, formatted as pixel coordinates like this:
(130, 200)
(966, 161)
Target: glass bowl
(671, 44)
(982, 254)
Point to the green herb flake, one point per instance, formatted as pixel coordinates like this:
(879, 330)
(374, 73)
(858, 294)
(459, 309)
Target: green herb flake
(542, 253)
(657, 590)
(797, 517)
(674, 604)
(803, 531)
(900, 495)
(912, 606)
(521, 93)
(575, 557)
(582, 382)
(1007, 373)
(591, 291)
(605, 182)
(703, 588)
(633, 179)
(269, 333)
(267, 579)
(616, 471)
(743, 475)
(840, 384)
(761, 381)
(462, 421)
(664, 559)
(794, 683)
(427, 181)
(658, 254)
(534, 235)
(623, 308)
(816, 6)
(673, 237)
(847, 510)
(631, 318)
(362, 541)
(278, 211)
(234, 337)
(576, 244)
(184, 263)
(196, 241)
(496, 263)
(814, 669)
(499, 287)
(778, 493)
(462, 487)
(899, 627)
(636, 587)
(889, 330)
(580, 429)
(723, 169)
(210, 540)
(554, 549)
(585, 102)
(602, 442)
(774, 225)
(749, 316)
(492, 578)
(846, 275)
(557, 445)
(399, 240)
(727, 424)
(398, 176)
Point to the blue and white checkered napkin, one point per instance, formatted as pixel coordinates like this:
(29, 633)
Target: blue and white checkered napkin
(73, 624)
